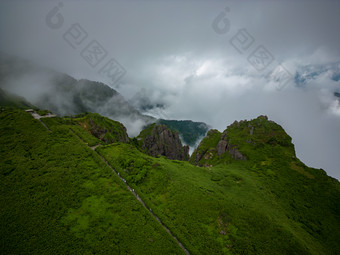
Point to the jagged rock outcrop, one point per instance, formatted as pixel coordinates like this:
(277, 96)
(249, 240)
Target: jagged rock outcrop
(213, 147)
(204, 151)
(190, 132)
(224, 146)
(159, 140)
(242, 140)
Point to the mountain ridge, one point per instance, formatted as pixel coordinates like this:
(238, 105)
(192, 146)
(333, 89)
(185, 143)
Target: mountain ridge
(270, 203)
(66, 96)
(243, 191)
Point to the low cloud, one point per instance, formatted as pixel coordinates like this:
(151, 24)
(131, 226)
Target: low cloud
(66, 96)
(218, 93)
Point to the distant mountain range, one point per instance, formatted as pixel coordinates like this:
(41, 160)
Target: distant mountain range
(65, 96)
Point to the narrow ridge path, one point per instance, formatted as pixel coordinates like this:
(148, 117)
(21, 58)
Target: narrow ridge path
(135, 194)
(39, 117)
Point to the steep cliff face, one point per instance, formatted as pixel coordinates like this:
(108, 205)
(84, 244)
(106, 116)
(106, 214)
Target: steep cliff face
(159, 140)
(190, 131)
(215, 147)
(241, 140)
(225, 146)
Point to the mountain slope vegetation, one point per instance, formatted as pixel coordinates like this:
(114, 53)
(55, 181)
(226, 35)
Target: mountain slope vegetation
(269, 205)
(59, 196)
(105, 129)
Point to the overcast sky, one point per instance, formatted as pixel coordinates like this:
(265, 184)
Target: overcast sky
(199, 60)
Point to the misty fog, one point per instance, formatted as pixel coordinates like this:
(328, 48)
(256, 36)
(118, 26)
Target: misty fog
(179, 65)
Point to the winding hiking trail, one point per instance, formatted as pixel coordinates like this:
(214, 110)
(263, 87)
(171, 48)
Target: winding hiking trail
(142, 202)
(134, 193)
(49, 115)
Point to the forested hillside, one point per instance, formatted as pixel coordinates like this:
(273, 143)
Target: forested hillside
(59, 195)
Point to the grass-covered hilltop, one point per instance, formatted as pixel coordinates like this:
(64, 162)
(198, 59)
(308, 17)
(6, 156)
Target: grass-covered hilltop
(80, 185)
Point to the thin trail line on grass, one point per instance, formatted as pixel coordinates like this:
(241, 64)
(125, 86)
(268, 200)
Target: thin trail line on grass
(135, 194)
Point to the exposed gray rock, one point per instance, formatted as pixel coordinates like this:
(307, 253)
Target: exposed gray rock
(224, 146)
(165, 142)
(198, 156)
(203, 152)
(221, 147)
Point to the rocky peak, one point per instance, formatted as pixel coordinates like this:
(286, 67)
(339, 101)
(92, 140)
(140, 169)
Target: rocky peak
(224, 146)
(259, 131)
(214, 148)
(160, 140)
(242, 140)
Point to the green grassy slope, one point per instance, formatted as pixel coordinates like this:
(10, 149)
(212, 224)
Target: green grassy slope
(257, 140)
(236, 208)
(103, 128)
(270, 203)
(92, 128)
(59, 197)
